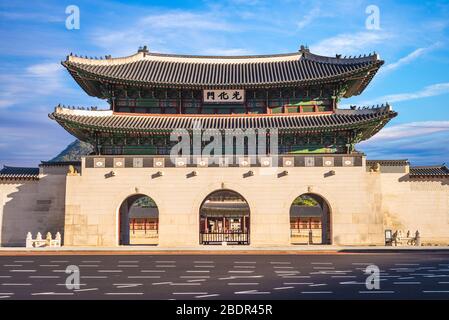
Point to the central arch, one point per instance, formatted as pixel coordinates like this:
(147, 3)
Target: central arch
(224, 218)
(138, 221)
(310, 220)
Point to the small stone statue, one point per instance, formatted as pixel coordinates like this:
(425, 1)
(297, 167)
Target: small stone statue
(72, 171)
(375, 167)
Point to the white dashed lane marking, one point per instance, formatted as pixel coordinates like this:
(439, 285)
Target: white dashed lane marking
(207, 295)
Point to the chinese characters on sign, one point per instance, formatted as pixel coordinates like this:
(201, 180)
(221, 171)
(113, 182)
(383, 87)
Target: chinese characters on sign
(224, 96)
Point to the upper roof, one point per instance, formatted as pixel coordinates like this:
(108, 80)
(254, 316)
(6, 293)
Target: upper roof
(429, 171)
(196, 72)
(18, 173)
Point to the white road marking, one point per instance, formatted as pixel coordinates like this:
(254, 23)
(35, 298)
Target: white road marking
(22, 270)
(318, 285)
(436, 291)
(13, 265)
(282, 267)
(190, 293)
(94, 277)
(6, 293)
(144, 277)
(165, 261)
(89, 265)
(165, 266)
(279, 262)
(158, 283)
(207, 295)
(202, 266)
(5, 276)
(127, 266)
(407, 282)
(321, 263)
(240, 271)
(53, 293)
(24, 261)
(124, 293)
(49, 265)
(315, 292)
(342, 276)
(152, 270)
(44, 277)
(243, 283)
(193, 277)
(244, 267)
(110, 271)
(376, 291)
(252, 292)
(282, 288)
(2, 297)
(240, 277)
(203, 261)
(185, 284)
(351, 282)
(16, 284)
(196, 280)
(245, 262)
(128, 261)
(297, 283)
(443, 282)
(127, 285)
(82, 290)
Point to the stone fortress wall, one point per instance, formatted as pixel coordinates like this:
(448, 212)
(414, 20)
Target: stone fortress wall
(84, 206)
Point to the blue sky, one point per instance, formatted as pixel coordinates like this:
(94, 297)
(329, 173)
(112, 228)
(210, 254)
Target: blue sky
(412, 39)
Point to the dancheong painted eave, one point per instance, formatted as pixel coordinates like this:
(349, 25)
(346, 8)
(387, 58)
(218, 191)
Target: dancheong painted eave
(85, 123)
(156, 70)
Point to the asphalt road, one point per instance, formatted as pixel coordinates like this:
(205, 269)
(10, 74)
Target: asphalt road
(418, 275)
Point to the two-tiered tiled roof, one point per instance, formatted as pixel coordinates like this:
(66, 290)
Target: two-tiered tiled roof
(147, 69)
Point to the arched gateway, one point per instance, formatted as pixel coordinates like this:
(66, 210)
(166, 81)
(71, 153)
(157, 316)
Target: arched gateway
(224, 217)
(310, 220)
(138, 221)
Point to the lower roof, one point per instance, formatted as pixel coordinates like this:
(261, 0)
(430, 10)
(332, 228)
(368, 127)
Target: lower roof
(83, 123)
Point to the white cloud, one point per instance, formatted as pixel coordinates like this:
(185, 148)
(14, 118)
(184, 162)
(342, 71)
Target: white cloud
(309, 18)
(35, 81)
(424, 143)
(411, 129)
(409, 58)
(351, 43)
(165, 32)
(429, 91)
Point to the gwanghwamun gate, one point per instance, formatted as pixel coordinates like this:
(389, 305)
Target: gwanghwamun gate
(242, 150)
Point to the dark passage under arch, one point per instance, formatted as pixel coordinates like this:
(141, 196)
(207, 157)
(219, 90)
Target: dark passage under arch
(310, 220)
(224, 218)
(138, 221)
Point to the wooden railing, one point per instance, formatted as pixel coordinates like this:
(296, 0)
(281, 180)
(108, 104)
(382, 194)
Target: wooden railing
(224, 237)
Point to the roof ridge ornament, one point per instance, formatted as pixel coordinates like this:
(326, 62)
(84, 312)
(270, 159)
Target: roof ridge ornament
(143, 49)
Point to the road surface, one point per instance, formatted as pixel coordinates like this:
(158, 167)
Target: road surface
(415, 275)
